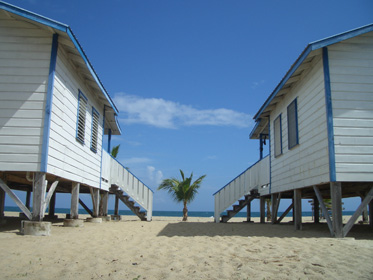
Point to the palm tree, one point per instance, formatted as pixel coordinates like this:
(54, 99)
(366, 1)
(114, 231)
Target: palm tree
(114, 151)
(182, 191)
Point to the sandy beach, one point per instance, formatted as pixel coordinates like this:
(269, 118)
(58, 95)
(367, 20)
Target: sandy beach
(198, 249)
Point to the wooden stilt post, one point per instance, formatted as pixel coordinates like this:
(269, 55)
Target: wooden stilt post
(298, 209)
(316, 209)
(2, 204)
(336, 195)
(95, 194)
(365, 211)
(371, 213)
(74, 210)
(52, 206)
(262, 209)
(38, 197)
(116, 208)
(248, 214)
(28, 199)
(274, 203)
(105, 202)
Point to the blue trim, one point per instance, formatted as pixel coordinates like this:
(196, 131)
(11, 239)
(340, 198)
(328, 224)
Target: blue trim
(94, 112)
(131, 173)
(240, 174)
(270, 156)
(329, 115)
(296, 123)
(81, 95)
(48, 105)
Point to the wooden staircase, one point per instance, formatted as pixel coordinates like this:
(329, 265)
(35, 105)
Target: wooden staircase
(129, 203)
(238, 207)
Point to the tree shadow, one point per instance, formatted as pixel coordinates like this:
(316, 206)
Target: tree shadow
(286, 230)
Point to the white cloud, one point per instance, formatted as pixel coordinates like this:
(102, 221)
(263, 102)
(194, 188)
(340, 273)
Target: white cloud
(168, 114)
(154, 176)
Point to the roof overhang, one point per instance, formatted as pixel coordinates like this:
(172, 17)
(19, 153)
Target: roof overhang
(303, 63)
(75, 53)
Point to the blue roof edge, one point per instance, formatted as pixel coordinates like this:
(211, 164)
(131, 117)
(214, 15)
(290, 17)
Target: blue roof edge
(311, 47)
(64, 28)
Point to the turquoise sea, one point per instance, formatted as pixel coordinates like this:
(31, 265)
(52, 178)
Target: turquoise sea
(172, 213)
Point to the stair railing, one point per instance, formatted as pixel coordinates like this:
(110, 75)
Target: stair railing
(254, 177)
(128, 182)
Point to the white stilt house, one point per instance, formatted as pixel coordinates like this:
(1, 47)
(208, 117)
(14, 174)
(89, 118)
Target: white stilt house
(54, 113)
(319, 123)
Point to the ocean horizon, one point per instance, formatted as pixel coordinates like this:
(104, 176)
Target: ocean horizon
(157, 213)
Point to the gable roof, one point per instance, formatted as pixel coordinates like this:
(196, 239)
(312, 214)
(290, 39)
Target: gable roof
(77, 55)
(306, 56)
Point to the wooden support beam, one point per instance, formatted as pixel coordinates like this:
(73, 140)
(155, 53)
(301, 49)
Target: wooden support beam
(74, 212)
(316, 211)
(116, 207)
(368, 198)
(336, 196)
(95, 195)
(248, 211)
(38, 196)
(324, 210)
(276, 198)
(2, 204)
(49, 195)
(104, 204)
(15, 198)
(28, 199)
(85, 207)
(285, 213)
(298, 209)
(371, 213)
(365, 211)
(52, 206)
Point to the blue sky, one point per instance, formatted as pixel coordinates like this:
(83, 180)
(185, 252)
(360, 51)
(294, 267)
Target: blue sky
(188, 76)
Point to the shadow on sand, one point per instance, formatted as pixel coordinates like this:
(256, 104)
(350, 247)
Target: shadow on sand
(309, 230)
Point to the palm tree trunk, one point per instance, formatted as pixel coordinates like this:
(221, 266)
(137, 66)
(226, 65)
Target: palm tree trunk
(185, 212)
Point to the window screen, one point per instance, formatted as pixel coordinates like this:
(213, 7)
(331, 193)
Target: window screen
(292, 124)
(80, 126)
(94, 133)
(278, 136)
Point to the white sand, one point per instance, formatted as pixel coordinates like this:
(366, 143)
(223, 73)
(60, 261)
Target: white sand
(199, 249)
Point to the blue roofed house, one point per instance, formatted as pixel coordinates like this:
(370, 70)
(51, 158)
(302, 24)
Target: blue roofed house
(54, 113)
(319, 124)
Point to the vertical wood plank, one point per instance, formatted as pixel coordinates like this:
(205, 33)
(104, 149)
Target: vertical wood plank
(95, 195)
(298, 209)
(28, 199)
(74, 214)
(336, 195)
(38, 198)
(262, 209)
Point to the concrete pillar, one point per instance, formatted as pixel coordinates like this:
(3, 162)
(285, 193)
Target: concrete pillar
(74, 209)
(36, 228)
(297, 209)
(336, 195)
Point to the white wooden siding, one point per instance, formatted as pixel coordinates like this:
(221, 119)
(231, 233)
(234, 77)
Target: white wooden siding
(307, 163)
(24, 58)
(68, 158)
(351, 75)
